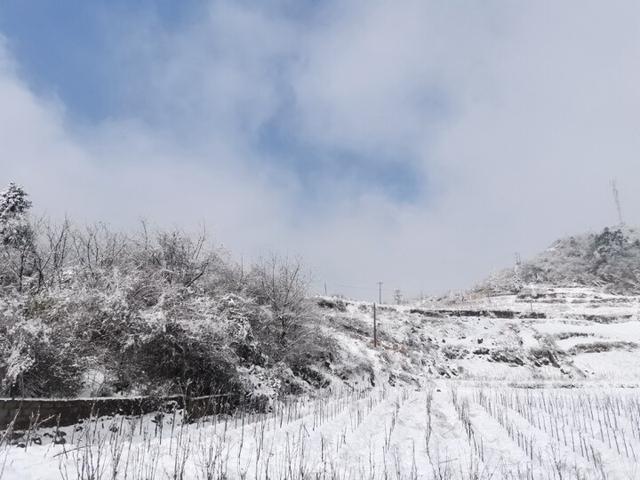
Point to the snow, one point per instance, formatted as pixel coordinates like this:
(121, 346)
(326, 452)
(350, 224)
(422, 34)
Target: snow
(497, 408)
(470, 429)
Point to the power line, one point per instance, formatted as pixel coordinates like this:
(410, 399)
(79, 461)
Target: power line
(325, 286)
(353, 286)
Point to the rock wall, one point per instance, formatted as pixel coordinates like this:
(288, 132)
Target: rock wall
(48, 412)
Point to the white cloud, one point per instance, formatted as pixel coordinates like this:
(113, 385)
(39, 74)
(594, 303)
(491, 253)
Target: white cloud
(381, 76)
(122, 172)
(517, 116)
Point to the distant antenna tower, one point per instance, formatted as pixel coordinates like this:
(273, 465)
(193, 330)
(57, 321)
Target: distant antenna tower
(616, 199)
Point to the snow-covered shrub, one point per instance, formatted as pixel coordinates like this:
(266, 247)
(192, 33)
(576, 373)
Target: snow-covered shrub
(281, 285)
(243, 321)
(159, 312)
(198, 363)
(236, 312)
(38, 360)
(267, 384)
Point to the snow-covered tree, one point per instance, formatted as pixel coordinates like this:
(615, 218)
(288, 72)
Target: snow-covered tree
(282, 285)
(14, 206)
(14, 203)
(16, 234)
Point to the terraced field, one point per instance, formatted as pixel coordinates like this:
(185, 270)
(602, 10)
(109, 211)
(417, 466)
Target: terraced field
(543, 333)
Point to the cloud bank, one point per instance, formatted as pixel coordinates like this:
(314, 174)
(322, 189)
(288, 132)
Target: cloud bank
(417, 143)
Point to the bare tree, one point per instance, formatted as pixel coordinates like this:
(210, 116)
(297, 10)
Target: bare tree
(182, 259)
(51, 252)
(282, 284)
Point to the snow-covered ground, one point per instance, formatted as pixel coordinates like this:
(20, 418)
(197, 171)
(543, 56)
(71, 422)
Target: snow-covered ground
(475, 388)
(446, 429)
(565, 334)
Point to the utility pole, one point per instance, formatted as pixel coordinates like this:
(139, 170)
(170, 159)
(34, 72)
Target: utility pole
(375, 327)
(397, 296)
(516, 268)
(325, 289)
(616, 199)
(379, 292)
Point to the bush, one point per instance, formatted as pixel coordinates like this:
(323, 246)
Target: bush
(151, 312)
(281, 285)
(37, 360)
(194, 364)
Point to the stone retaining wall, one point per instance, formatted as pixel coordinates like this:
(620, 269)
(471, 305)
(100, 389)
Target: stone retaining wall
(49, 412)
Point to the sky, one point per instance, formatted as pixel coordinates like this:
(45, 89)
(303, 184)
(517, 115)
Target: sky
(420, 143)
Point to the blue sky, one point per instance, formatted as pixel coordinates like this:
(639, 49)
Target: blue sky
(420, 143)
(67, 48)
(75, 52)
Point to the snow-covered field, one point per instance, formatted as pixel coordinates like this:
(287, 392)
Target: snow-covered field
(446, 430)
(542, 385)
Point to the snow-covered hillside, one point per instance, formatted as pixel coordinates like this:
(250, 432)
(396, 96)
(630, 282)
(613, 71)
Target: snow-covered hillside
(567, 334)
(570, 314)
(609, 259)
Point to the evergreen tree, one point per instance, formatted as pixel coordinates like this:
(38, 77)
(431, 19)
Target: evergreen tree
(14, 203)
(16, 235)
(14, 206)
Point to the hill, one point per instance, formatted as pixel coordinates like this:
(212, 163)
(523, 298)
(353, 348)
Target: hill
(563, 334)
(609, 259)
(570, 314)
